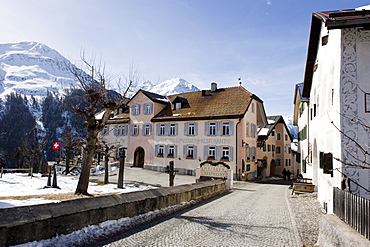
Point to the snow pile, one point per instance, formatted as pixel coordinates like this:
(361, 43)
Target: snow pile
(92, 234)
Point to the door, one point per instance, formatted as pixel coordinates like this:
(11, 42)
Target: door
(139, 157)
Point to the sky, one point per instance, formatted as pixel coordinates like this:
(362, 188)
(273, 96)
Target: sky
(263, 42)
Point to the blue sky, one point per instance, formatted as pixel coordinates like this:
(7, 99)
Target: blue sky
(262, 41)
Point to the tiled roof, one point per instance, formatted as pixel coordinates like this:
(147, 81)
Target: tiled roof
(223, 103)
(153, 96)
(120, 118)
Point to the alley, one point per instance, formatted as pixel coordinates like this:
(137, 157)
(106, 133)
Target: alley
(252, 215)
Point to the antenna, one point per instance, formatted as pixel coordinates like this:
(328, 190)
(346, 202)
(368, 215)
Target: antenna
(240, 80)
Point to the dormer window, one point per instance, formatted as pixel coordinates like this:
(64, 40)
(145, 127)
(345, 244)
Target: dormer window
(178, 106)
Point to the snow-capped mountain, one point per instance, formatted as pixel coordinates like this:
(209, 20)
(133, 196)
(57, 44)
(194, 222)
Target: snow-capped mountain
(292, 128)
(32, 68)
(168, 87)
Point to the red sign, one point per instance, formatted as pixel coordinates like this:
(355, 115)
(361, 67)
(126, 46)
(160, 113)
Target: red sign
(56, 145)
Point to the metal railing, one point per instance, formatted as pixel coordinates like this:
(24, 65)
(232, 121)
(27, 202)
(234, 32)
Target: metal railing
(354, 210)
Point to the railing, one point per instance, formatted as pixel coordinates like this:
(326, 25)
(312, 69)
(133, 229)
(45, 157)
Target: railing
(354, 210)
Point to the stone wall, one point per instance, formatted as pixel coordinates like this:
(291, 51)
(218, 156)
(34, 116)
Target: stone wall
(334, 232)
(31, 223)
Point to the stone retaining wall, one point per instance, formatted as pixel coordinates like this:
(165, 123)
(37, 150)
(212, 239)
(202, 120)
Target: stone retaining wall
(31, 223)
(335, 232)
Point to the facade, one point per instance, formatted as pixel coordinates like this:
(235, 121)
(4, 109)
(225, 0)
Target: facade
(275, 154)
(189, 128)
(332, 102)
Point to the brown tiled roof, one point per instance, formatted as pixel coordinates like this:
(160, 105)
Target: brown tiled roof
(223, 103)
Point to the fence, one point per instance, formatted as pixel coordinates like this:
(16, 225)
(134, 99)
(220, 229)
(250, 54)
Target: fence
(354, 210)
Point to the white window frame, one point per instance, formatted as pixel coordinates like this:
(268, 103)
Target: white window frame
(160, 150)
(135, 130)
(148, 108)
(135, 109)
(173, 129)
(212, 129)
(147, 129)
(226, 153)
(177, 106)
(212, 152)
(105, 130)
(191, 129)
(278, 149)
(190, 152)
(226, 128)
(162, 129)
(171, 151)
(278, 136)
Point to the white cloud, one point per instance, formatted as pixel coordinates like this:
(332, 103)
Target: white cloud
(269, 2)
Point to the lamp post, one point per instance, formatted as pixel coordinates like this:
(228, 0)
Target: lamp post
(122, 156)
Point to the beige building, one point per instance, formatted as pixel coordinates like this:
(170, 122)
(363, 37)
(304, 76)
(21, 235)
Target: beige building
(219, 124)
(275, 154)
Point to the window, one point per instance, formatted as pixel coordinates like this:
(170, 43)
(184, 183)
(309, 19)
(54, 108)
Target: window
(162, 129)
(134, 130)
(226, 128)
(135, 109)
(278, 136)
(277, 162)
(273, 133)
(177, 106)
(160, 151)
(173, 129)
(212, 129)
(146, 129)
(148, 108)
(264, 147)
(273, 148)
(287, 162)
(120, 130)
(252, 106)
(278, 150)
(326, 162)
(225, 153)
(268, 147)
(247, 129)
(190, 152)
(253, 130)
(171, 151)
(212, 152)
(105, 130)
(191, 129)
(286, 137)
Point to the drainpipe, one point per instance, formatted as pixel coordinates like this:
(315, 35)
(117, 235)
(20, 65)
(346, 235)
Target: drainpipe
(237, 148)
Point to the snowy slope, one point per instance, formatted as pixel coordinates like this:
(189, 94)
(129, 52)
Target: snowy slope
(168, 87)
(32, 68)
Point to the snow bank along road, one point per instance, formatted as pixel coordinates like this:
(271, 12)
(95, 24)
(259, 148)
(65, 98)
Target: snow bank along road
(252, 215)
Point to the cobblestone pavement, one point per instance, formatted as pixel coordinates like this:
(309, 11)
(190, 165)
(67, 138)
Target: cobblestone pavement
(252, 215)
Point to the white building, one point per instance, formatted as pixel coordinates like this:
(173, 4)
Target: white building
(334, 96)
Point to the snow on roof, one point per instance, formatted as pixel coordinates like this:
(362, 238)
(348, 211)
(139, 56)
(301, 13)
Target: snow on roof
(263, 132)
(270, 121)
(99, 115)
(367, 7)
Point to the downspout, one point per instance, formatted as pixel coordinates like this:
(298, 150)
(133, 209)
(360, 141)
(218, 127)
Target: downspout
(237, 148)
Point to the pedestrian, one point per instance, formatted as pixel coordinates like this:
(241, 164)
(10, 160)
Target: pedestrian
(288, 173)
(284, 174)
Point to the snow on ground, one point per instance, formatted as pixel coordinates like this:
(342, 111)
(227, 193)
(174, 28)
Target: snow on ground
(20, 184)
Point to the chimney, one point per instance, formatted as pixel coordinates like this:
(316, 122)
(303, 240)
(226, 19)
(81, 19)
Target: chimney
(213, 87)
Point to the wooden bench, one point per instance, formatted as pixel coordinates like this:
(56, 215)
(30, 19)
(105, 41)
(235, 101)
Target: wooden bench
(16, 169)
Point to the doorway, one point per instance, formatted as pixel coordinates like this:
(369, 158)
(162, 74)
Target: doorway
(272, 167)
(139, 157)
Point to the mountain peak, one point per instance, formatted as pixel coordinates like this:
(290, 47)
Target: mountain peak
(168, 87)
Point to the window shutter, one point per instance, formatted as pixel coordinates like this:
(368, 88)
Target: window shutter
(176, 129)
(231, 128)
(157, 129)
(185, 151)
(194, 152)
(218, 153)
(205, 152)
(167, 129)
(206, 128)
(131, 130)
(165, 151)
(175, 151)
(150, 109)
(143, 130)
(218, 128)
(195, 129)
(156, 150)
(138, 109)
(125, 130)
(230, 153)
(186, 129)
(115, 131)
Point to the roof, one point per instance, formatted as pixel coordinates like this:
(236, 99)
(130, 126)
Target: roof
(153, 97)
(333, 20)
(272, 121)
(298, 91)
(223, 103)
(120, 118)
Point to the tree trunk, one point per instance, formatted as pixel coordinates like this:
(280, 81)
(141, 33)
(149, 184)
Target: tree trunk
(106, 167)
(87, 159)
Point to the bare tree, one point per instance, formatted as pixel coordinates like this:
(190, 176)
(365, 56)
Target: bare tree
(97, 95)
(71, 142)
(106, 149)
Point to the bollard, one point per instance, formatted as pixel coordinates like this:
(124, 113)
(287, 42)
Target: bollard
(122, 156)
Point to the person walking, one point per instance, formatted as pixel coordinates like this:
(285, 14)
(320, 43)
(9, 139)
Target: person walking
(284, 174)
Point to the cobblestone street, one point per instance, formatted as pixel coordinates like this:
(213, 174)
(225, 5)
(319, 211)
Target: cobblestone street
(252, 215)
